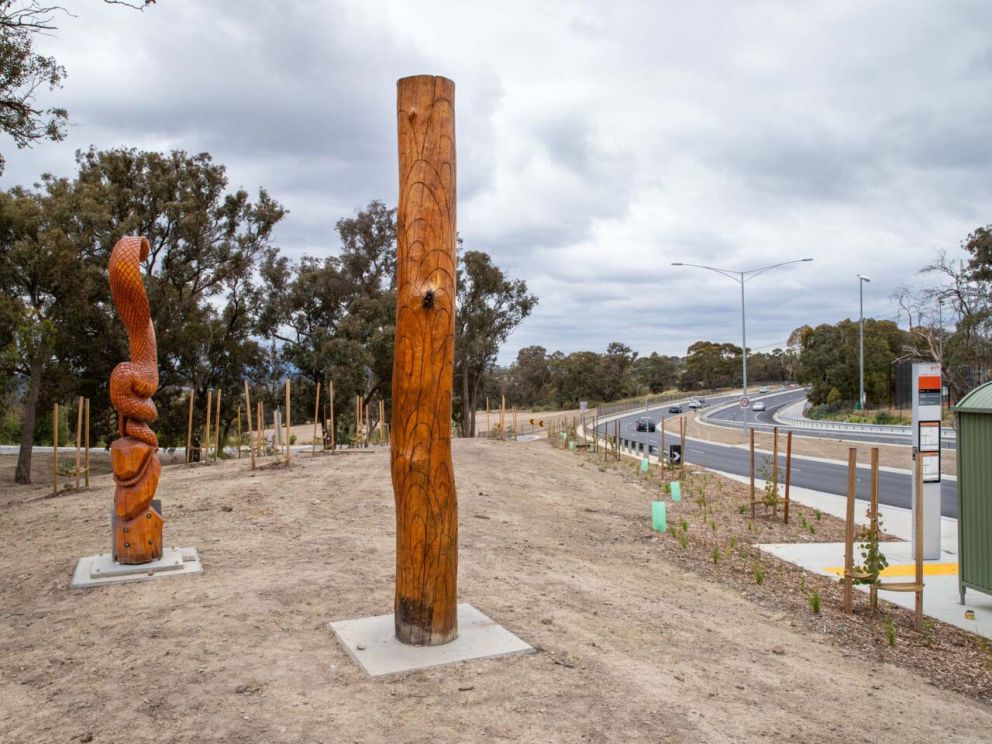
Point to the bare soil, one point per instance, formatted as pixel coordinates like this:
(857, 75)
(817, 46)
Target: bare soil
(636, 643)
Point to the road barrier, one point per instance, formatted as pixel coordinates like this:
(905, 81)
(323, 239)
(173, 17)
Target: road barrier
(807, 423)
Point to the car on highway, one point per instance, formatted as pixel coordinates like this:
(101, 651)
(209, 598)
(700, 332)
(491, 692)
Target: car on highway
(675, 409)
(763, 389)
(696, 404)
(644, 424)
(759, 405)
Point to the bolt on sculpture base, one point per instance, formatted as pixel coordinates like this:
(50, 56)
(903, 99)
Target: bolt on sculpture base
(99, 570)
(372, 642)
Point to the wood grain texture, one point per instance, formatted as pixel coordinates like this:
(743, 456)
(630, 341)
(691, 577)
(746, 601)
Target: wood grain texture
(136, 525)
(423, 367)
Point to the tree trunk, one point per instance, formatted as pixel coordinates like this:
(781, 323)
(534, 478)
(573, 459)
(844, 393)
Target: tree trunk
(423, 365)
(23, 472)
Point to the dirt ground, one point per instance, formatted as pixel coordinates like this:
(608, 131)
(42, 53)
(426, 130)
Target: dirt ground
(632, 646)
(892, 456)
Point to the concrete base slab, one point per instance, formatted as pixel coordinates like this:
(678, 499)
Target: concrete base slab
(371, 641)
(98, 570)
(941, 599)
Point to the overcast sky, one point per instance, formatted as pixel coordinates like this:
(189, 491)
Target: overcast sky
(597, 141)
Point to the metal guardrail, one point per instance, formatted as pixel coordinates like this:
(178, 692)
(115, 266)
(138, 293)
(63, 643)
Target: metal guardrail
(892, 429)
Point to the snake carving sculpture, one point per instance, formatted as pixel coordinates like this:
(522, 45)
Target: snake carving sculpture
(137, 524)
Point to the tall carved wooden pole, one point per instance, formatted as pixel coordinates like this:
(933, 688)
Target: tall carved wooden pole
(423, 367)
(137, 524)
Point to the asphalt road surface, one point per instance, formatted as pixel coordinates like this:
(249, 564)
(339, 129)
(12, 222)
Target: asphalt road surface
(828, 477)
(764, 421)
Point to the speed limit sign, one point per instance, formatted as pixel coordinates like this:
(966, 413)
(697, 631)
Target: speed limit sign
(745, 402)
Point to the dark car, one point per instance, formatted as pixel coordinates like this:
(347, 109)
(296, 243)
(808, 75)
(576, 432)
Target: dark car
(644, 424)
(675, 409)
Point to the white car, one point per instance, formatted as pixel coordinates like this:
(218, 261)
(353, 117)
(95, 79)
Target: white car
(759, 405)
(763, 389)
(695, 405)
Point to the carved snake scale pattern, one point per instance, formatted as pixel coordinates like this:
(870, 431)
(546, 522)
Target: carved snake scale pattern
(133, 383)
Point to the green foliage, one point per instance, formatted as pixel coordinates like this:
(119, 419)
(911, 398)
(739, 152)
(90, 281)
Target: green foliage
(890, 632)
(24, 74)
(814, 601)
(828, 359)
(759, 573)
(873, 560)
(490, 306)
(715, 554)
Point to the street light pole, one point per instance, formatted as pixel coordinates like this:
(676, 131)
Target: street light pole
(861, 342)
(742, 277)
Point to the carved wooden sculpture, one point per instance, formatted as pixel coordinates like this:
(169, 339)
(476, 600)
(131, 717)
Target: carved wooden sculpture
(423, 367)
(137, 524)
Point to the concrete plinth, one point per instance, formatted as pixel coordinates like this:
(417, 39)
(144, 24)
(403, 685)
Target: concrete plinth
(98, 570)
(371, 641)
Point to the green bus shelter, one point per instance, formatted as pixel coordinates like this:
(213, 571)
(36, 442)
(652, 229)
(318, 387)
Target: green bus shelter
(974, 413)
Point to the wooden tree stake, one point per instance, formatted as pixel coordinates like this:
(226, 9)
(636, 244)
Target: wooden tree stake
(239, 431)
(189, 429)
(316, 416)
(852, 484)
(55, 450)
(423, 368)
(87, 460)
(752, 474)
(251, 430)
(330, 397)
(217, 429)
(788, 472)
(288, 424)
(79, 436)
(206, 434)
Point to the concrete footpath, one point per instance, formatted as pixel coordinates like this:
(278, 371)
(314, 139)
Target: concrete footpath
(941, 599)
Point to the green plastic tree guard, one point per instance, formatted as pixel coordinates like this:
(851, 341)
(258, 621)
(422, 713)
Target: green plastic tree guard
(658, 520)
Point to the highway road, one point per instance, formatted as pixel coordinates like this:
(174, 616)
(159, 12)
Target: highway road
(828, 477)
(764, 421)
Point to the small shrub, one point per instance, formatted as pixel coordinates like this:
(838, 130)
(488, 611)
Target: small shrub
(733, 542)
(684, 525)
(928, 631)
(715, 555)
(759, 573)
(814, 601)
(292, 439)
(890, 633)
(742, 509)
(818, 514)
(683, 540)
(873, 560)
(713, 524)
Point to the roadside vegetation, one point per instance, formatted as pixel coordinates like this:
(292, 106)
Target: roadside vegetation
(710, 532)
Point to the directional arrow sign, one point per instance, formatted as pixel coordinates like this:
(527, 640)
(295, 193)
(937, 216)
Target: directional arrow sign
(675, 454)
(745, 402)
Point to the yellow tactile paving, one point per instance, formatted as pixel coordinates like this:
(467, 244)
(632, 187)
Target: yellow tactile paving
(909, 569)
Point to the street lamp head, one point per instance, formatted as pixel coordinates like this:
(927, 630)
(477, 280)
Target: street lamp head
(864, 278)
(805, 260)
(677, 263)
